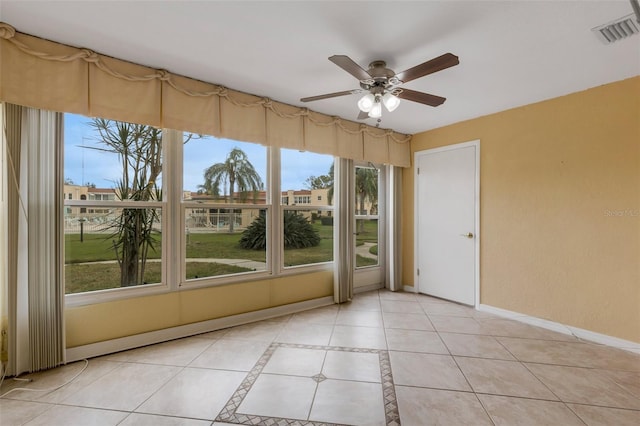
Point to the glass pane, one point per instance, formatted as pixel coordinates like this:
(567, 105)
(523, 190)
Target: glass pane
(111, 248)
(366, 209)
(224, 171)
(366, 242)
(224, 241)
(111, 160)
(306, 179)
(366, 191)
(308, 237)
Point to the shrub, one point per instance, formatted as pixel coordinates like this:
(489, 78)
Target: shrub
(255, 236)
(326, 220)
(298, 233)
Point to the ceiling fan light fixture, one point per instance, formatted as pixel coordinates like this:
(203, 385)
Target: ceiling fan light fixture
(366, 102)
(376, 110)
(390, 101)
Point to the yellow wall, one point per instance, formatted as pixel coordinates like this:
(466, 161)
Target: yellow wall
(112, 320)
(559, 209)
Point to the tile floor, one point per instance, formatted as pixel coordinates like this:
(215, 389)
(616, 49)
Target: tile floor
(384, 359)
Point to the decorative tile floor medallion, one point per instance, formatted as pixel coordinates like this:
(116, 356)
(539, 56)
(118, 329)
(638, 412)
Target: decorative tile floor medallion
(230, 414)
(319, 377)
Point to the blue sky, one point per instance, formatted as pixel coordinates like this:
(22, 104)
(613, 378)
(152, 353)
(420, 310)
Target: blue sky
(84, 165)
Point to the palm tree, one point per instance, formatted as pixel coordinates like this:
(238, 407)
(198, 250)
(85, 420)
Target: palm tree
(330, 184)
(236, 170)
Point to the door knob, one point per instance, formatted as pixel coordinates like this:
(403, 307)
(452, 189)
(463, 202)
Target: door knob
(468, 235)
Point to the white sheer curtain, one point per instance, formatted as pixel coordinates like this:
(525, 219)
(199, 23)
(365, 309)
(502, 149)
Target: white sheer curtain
(4, 247)
(35, 294)
(393, 279)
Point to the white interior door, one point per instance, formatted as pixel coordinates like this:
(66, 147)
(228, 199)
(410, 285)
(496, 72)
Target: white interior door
(447, 222)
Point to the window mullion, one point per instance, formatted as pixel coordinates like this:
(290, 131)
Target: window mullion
(274, 232)
(173, 220)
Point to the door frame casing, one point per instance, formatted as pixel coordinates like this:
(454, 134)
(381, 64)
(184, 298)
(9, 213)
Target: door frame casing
(416, 254)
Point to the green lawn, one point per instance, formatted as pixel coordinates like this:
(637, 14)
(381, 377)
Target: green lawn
(81, 277)
(365, 261)
(220, 246)
(96, 247)
(367, 231)
(102, 276)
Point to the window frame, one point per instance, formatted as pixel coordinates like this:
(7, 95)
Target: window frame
(293, 270)
(379, 216)
(218, 280)
(283, 270)
(174, 207)
(106, 295)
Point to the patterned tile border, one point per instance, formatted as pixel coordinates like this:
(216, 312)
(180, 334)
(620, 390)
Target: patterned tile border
(229, 414)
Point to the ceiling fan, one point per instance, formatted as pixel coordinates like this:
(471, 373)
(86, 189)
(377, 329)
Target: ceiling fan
(383, 84)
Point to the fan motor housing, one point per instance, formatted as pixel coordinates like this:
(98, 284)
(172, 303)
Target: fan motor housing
(379, 71)
(380, 76)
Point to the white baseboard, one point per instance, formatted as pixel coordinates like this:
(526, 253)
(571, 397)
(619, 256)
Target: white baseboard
(580, 333)
(409, 289)
(124, 343)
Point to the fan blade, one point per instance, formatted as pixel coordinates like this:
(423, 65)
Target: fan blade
(437, 64)
(423, 98)
(330, 95)
(363, 115)
(347, 64)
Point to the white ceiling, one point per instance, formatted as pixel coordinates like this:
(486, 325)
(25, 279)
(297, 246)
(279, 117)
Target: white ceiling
(511, 53)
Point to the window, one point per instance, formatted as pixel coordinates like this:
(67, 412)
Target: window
(108, 196)
(123, 218)
(301, 199)
(98, 257)
(307, 232)
(113, 241)
(226, 207)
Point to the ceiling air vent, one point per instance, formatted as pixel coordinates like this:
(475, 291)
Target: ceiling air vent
(618, 29)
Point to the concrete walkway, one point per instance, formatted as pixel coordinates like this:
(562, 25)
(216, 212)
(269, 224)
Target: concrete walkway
(363, 251)
(244, 263)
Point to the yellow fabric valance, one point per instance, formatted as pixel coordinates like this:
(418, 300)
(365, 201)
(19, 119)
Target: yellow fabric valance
(48, 75)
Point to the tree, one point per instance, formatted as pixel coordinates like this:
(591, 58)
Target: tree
(366, 190)
(319, 182)
(236, 170)
(139, 149)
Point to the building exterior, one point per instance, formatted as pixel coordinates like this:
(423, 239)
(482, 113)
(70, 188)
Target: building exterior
(314, 200)
(83, 192)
